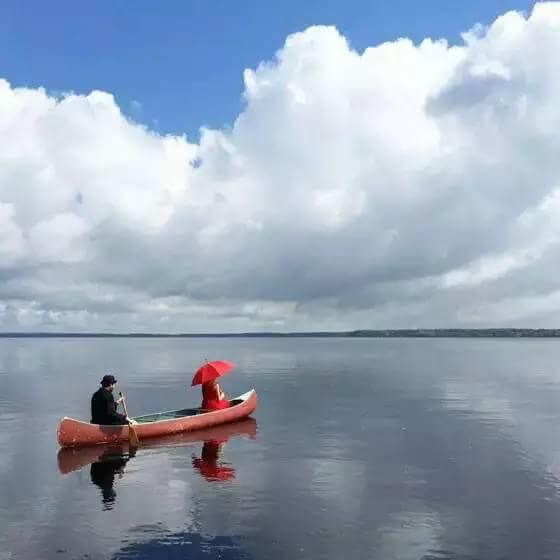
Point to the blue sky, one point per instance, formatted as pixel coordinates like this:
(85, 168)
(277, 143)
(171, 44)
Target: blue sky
(182, 61)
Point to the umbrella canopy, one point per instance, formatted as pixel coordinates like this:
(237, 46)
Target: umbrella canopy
(210, 371)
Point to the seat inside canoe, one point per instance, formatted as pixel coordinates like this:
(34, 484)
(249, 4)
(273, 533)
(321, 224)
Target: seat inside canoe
(172, 414)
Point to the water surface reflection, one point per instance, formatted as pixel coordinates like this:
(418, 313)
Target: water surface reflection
(184, 545)
(103, 472)
(390, 449)
(111, 458)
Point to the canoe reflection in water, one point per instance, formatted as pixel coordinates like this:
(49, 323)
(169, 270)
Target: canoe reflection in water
(108, 461)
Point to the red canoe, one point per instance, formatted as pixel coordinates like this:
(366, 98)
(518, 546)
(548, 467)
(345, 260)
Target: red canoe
(74, 433)
(71, 459)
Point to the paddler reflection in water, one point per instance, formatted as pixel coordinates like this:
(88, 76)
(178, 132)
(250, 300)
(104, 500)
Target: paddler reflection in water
(104, 406)
(103, 472)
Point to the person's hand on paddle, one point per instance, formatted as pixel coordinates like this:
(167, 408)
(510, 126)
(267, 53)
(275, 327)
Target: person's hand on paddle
(119, 400)
(131, 421)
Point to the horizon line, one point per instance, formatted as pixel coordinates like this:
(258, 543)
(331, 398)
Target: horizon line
(421, 332)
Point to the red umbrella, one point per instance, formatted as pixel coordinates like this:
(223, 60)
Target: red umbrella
(210, 371)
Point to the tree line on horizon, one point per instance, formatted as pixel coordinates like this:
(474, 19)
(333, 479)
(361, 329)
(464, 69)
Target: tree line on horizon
(364, 333)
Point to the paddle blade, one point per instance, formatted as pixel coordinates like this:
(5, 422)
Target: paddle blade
(133, 436)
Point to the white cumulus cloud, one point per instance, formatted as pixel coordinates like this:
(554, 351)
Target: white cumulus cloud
(405, 185)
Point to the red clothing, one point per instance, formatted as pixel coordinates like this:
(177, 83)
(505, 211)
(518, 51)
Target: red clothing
(210, 398)
(208, 465)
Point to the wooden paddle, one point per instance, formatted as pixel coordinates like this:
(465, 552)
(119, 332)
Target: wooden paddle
(134, 441)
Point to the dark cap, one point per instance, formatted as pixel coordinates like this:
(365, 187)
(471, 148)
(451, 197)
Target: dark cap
(108, 380)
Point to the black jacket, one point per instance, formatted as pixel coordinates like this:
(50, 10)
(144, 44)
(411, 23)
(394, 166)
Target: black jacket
(104, 408)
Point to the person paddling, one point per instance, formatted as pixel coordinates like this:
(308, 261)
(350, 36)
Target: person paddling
(104, 406)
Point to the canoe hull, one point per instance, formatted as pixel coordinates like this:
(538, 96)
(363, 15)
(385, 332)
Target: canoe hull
(74, 433)
(71, 459)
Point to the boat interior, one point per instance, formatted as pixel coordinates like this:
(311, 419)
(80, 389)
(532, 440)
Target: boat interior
(172, 414)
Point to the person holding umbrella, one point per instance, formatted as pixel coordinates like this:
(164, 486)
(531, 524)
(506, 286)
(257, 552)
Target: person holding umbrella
(213, 398)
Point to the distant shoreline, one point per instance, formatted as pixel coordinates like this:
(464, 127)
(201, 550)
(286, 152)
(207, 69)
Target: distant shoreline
(379, 333)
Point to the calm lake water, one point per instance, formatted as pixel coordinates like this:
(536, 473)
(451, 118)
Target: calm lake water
(366, 448)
